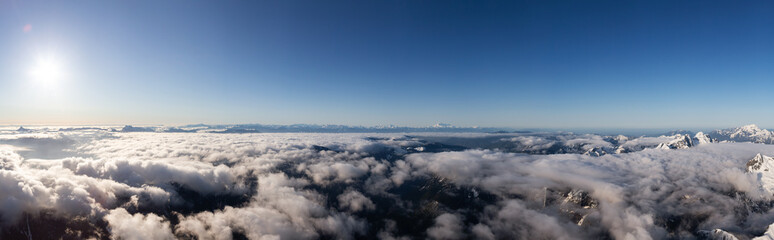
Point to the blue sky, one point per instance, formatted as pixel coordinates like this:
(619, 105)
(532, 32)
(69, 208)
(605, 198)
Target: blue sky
(523, 64)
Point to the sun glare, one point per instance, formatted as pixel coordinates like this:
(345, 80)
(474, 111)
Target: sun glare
(47, 71)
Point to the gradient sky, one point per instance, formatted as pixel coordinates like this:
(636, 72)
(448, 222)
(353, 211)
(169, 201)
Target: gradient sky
(628, 64)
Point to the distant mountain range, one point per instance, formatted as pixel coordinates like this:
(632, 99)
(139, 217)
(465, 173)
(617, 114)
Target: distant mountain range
(310, 128)
(747, 133)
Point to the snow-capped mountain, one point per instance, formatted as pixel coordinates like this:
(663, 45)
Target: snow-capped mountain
(763, 167)
(591, 144)
(679, 142)
(701, 138)
(747, 133)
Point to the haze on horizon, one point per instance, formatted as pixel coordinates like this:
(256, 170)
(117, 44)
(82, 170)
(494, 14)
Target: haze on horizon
(520, 64)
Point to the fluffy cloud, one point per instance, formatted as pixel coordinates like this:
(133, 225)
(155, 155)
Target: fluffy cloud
(392, 186)
(632, 189)
(447, 227)
(355, 201)
(123, 225)
(34, 186)
(277, 210)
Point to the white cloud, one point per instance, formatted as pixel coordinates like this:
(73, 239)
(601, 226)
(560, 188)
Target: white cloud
(277, 210)
(655, 181)
(307, 186)
(126, 226)
(355, 201)
(447, 227)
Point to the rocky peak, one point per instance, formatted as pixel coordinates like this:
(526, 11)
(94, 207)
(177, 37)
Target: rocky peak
(701, 138)
(679, 142)
(759, 163)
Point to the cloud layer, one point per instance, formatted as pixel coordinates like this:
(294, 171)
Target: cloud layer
(150, 185)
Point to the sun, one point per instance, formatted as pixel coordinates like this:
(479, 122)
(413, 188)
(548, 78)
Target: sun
(47, 71)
